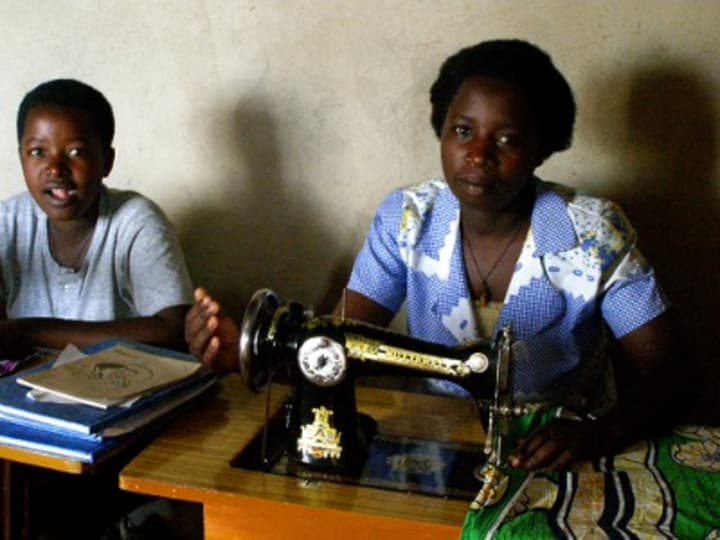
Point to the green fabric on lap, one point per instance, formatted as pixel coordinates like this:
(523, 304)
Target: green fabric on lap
(667, 486)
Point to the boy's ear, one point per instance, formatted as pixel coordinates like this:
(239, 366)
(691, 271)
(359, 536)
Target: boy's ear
(109, 161)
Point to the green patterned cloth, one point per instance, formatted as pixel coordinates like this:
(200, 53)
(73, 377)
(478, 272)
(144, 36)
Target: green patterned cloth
(668, 487)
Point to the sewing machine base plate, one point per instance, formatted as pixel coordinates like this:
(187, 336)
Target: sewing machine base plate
(397, 463)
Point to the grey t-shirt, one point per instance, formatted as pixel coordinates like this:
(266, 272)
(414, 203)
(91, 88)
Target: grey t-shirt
(134, 265)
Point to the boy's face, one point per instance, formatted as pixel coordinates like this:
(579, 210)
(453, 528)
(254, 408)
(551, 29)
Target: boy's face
(489, 144)
(63, 162)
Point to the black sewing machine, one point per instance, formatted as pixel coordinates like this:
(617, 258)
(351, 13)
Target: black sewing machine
(320, 431)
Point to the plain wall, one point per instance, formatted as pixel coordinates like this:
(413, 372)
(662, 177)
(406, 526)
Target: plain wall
(269, 131)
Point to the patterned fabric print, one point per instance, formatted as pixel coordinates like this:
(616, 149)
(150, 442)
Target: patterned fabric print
(435, 262)
(703, 452)
(604, 236)
(556, 302)
(417, 202)
(601, 241)
(528, 268)
(538, 494)
(644, 492)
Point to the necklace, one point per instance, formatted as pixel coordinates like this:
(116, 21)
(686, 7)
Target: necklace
(77, 254)
(484, 293)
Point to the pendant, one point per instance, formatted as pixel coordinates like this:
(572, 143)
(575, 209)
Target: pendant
(484, 293)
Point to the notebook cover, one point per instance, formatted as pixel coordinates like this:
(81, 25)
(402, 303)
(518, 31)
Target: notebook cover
(84, 419)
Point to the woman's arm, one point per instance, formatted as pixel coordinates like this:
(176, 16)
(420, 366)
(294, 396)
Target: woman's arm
(656, 390)
(164, 328)
(360, 308)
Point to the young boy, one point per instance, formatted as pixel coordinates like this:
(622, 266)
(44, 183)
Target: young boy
(80, 262)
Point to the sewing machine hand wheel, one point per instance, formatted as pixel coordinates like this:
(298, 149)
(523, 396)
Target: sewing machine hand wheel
(254, 366)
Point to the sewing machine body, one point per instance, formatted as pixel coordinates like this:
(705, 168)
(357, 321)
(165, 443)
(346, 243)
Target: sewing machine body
(325, 357)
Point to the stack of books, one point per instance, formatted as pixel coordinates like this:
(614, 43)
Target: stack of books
(93, 406)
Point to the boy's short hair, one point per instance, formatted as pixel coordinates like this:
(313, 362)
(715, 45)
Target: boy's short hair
(516, 62)
(73, 94)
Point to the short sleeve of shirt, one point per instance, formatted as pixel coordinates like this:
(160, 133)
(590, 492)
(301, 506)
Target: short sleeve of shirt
(156, 274)
(634, 296)
(379, 272)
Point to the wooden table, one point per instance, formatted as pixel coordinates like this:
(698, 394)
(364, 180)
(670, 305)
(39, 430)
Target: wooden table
(190, 461)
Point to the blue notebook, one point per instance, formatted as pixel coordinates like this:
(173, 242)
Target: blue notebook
(68, 420)
(73, 446)
(53, 443)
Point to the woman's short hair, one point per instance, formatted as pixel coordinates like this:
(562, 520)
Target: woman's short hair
(519, 63)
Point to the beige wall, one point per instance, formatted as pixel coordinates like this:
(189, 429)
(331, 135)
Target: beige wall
(270, 130)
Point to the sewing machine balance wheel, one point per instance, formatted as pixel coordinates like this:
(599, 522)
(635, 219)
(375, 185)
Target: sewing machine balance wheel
(257, 318)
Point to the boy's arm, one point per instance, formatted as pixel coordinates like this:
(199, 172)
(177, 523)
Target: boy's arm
(164, 328)
(212, 336)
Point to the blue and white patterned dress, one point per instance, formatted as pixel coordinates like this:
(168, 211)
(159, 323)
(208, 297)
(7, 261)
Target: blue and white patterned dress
(578, 273)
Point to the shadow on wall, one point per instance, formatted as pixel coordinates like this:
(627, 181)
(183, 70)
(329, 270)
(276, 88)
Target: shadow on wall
(260, 230)
(669, 148)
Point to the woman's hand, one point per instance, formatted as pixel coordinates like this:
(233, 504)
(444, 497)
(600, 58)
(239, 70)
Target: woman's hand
(655, 386)
(558, 444)
(211, 335)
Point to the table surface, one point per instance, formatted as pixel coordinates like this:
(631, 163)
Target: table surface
(38, 459)
(191, 460)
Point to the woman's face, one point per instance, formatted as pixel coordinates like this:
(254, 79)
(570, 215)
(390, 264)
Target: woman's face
(489, 144)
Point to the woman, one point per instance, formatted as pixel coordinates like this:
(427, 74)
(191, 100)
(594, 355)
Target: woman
(491, 244)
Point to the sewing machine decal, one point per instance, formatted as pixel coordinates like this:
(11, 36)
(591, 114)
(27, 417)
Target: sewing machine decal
(319, 440)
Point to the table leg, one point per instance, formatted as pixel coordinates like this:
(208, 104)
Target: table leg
(5, 513)
(13, 502)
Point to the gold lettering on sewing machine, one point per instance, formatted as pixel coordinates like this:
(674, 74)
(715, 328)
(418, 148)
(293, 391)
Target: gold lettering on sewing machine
(319, 439)
(364, 348)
